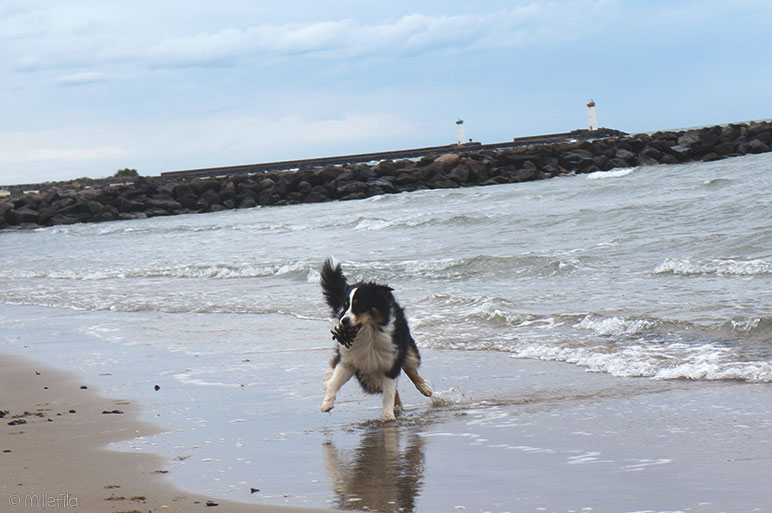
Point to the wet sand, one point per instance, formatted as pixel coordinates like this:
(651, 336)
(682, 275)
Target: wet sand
(52, 437)
(539, 436)
(500, 435)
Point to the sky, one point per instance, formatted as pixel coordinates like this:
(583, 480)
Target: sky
(88, 87)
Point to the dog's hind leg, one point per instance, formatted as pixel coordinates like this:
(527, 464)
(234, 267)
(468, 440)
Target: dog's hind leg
(411, 371)
(389, 398)
(340, 375)
(419, 382)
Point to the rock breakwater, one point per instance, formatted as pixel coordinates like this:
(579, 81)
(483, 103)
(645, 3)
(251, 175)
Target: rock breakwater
(83, 201)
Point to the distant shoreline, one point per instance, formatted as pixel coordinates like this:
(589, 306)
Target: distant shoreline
(413, 153)
(113, 199)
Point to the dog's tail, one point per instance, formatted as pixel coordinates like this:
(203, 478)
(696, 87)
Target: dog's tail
(334, 285)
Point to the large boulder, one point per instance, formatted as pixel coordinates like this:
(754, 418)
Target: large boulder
(689, 138)
(442, 183)
(129, 205)
(201, 186)
(317, 194)
(730, 133)
(725, 148)
(247, 202)
(189, 201)
(449, 160)
(385, 185)
(351, 188)
(478, 170)
(5, 206)
(95, 207)
(757, 128)
(753, 146)
(211, 197)
(365, 173)
(163, 204)
(459, 174)
(681, 152)
(24, 215)
(760, 133)
(324, 176)
(649, 156)
(602, 162)
(710, 137)
(405, 177)
(576, 160)
(180, 190)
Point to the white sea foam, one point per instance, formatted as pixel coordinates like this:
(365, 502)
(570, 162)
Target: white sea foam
(652, 348)
(749, 325)
(208, 271)
(615, 173)
(188, 379)
(614, 326)
(719, 267)
(709, 362)
(374, 224)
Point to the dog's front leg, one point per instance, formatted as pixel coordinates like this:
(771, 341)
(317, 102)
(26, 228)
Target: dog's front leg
(389, 398)
(340, 375)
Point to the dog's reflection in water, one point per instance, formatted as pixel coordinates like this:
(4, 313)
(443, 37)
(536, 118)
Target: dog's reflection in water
(378, 475)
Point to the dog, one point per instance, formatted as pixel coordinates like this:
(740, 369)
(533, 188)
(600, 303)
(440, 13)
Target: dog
(375, 344)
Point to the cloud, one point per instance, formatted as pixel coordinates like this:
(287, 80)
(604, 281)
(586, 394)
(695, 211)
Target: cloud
(412, 34)
(58, 38)
(77, 79)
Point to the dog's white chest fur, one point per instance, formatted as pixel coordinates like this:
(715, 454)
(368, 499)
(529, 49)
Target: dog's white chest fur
(372, 351)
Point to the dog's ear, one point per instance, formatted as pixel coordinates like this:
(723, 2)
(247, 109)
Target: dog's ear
(387, 292)
(385, 295)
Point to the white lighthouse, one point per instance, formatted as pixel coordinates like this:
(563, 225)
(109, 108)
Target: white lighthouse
(460, 131)
(592, 117)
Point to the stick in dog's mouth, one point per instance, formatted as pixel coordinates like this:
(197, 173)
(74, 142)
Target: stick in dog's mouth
(345, 334)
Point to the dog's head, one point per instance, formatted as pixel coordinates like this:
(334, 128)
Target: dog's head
(367, 303)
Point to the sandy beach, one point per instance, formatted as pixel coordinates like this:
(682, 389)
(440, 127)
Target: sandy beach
(52, 437)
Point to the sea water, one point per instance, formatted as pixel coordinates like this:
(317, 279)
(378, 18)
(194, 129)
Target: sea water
(656, 273)
(661, 271)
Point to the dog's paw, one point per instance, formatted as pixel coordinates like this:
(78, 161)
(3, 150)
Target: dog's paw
(328, 405)
(388, 416)
(425, 389)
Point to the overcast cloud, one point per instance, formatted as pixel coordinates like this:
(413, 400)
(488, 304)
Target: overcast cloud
(89, 86)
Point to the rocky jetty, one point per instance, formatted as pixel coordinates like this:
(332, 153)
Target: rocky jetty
(82, 201)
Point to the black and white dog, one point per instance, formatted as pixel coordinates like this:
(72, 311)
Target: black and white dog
(375, 342)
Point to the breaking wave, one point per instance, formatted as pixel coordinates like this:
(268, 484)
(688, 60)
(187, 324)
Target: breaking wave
(623, 347)
(615, 173)
(375, 224)
(469, 267)
(219, 271)
(718, 267)
(709, 362)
